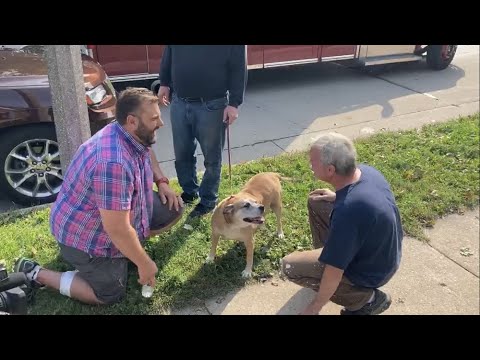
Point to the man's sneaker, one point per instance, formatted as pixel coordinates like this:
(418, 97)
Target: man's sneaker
(188, 199)
(28, 267)
(200, 210)
(380, 303)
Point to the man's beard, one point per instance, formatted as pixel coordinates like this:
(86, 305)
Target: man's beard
(146, 136)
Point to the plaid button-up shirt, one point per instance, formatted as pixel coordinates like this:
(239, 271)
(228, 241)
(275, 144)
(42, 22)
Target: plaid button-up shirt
(110, 171)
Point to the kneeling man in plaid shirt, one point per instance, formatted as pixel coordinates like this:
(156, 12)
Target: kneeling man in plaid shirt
(106, 207)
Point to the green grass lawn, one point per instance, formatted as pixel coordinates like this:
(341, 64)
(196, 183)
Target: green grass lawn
(433, 172)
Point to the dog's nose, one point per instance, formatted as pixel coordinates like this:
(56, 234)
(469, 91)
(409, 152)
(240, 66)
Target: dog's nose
(261, 207)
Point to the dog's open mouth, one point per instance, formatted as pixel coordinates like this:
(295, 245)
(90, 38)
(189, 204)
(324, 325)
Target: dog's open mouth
(255, 220)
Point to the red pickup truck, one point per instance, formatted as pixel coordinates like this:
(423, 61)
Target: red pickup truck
(141, 62)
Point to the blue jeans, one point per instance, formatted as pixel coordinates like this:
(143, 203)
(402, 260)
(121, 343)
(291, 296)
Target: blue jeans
(202, 122)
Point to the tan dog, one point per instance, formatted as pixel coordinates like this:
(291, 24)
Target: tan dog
(238, 217)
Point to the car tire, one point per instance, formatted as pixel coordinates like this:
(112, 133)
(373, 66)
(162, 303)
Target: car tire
(20, 168)
(437, 59)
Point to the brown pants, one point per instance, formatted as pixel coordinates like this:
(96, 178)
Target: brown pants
(304, 269)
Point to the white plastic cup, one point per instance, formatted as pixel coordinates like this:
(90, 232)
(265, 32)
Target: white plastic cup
(147, 291)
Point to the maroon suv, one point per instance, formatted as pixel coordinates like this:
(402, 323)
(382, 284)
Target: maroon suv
(30, 171)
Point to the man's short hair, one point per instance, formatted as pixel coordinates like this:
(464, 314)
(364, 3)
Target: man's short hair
(337, 150)
(130, 100)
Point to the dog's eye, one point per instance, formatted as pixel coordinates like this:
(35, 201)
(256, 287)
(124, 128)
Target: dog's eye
(247, 205)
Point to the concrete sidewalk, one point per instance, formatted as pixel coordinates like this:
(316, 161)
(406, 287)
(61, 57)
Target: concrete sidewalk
(439, 278)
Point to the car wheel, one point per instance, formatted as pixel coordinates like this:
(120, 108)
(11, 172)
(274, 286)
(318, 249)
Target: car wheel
(440, 56)
(30, 171)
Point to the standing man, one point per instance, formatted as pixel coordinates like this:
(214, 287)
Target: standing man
(359, 228)
(204, 85)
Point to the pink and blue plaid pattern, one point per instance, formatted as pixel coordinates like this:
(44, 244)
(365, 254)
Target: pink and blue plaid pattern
(110, 171)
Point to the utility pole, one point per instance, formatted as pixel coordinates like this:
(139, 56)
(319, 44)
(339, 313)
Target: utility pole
(65, 74)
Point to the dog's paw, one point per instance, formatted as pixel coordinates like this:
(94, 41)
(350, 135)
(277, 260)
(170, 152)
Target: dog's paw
(281, 235)
(246, 274)
(209, 259)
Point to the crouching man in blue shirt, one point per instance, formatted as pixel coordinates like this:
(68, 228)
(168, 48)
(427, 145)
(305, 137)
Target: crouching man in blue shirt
(358, 227)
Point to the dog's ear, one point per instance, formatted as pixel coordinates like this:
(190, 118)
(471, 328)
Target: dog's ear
(228, 209)
(227, 213)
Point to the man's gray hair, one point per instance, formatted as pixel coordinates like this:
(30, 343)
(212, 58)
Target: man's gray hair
(337, 150)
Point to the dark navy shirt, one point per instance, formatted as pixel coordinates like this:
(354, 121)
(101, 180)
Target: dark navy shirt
(205, 71)
(365, 238)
